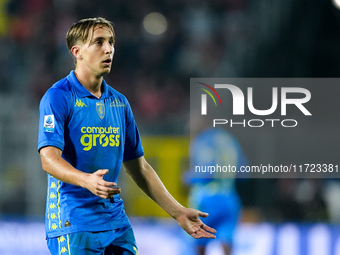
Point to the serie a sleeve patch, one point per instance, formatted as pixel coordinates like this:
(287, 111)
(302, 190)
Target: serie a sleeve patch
(49, 123)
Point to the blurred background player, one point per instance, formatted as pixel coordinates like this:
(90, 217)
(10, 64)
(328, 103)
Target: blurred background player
(215, 193)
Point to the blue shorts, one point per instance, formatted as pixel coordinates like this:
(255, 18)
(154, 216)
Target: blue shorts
(113, 242)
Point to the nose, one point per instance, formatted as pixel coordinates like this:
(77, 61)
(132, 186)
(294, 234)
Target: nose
(109, 49)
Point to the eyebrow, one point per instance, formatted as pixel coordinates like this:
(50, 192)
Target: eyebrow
(103, 38)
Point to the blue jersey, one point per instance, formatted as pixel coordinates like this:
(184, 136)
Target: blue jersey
(210, 148)
(93, 134)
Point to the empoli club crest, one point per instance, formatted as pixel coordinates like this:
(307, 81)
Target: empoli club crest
(100, 107)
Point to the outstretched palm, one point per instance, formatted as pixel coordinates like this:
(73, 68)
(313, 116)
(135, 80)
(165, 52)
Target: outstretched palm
(189, 220)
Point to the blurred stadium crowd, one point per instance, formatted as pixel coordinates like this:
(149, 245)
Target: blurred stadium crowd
(151, 70)
(217, 38)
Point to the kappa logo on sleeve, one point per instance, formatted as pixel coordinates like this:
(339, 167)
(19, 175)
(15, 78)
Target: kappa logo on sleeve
(49, 123)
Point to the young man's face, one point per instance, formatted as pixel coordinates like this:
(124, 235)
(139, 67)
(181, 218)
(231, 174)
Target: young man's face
(97, 52)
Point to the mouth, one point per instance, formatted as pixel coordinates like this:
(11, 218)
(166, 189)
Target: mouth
(107, 61)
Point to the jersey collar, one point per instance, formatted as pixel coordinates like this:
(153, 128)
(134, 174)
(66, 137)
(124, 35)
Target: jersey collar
(81, 90)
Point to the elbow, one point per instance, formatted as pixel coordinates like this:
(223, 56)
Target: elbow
(48, 156)
(45, 160)
(44, 164)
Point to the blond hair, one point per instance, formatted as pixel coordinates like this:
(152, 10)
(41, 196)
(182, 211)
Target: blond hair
(81, 30)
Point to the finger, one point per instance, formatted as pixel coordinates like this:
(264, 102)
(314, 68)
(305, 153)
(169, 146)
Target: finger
(193, 230)
(109, 184)
(101, 172)
(203, 214)
(208, 235)
(195, 235)
(203, 234)
(115, 191)
(209, 229)
(104, 183)
(109, 190)
(106, 194)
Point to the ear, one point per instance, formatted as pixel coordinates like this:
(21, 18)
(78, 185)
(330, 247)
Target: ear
(77, 52)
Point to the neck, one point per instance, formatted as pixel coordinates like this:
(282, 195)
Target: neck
(89, 81)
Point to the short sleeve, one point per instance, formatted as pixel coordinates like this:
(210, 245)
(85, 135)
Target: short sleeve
(53, 112)
(133, 146)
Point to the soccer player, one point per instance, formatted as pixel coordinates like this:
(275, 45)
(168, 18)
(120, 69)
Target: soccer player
(215, 193)
(86, 132)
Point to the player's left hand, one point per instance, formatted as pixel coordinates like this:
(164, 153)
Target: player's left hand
(189, 220)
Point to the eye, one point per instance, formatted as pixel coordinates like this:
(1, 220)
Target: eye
(99, 42)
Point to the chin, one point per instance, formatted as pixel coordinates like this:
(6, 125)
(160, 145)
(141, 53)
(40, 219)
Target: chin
(106, 72)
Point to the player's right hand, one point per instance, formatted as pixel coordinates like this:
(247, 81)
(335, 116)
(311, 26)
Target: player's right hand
(98, 186)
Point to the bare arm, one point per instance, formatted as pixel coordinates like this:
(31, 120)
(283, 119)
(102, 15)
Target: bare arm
(147, 179)
(55, 165)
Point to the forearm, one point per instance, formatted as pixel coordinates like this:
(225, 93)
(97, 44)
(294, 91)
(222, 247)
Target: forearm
(147, 179)
(59, 168)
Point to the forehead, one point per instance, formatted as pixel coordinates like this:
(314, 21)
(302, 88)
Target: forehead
(100, 31)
